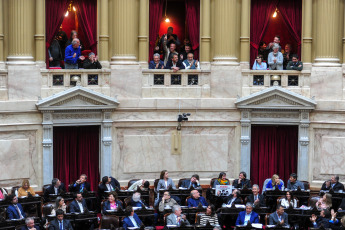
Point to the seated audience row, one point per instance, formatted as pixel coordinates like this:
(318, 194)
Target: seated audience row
(173, 63)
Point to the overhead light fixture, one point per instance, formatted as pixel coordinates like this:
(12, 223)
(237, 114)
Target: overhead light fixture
(275, 13)
(74, 9)
(66, 14)
(165, 14)
(167, 20)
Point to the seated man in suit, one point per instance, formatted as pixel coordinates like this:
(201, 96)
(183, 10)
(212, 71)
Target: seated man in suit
(56, 188)
(131, 219)
(30, 224)
(234, 198)
(156, 63)
(293, 183)
(136, 200)
(196, 199)
(176, 218)
(174, 64)
(242, 181)
(279, 217)
(81, 185)
(15, 210)
(108, 184)
(256, 199)
(59, 223)
(247, 216)
(333, 184)
(193, 182)
(78, 204)
(323, 219)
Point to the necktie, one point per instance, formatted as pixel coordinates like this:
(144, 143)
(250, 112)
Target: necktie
(81, 188)
(18, 210)
(60, 225)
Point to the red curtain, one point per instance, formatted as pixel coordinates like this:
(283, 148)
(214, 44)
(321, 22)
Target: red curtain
(274, 149)
(55, 12)
(261, 11)
(76, 151)
(87, 16)
(193, 23)
(156, 10)
(292, 15)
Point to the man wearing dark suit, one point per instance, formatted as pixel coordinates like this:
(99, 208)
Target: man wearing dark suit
(78, 204)
(131, 219)
(15, 210)
(56, 188)
(192, 183)
(256, 199)
(108, 184)
(279, 217)
(59, 223)
(81, 185)
(242, 181)
(248, 215)
(234, 198)
(174, 64)
(333, 184)
(30, 224)
(322, 220)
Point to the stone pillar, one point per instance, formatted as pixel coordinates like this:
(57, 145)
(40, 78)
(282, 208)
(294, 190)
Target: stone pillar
(104, 33)
(307, 22)
(106, 148)
(144, 33)
(226, 39)
(21, 32)
(303, 146)
(245, 33)
(328, 42)
(125, 24)
(47, 143)
(40, 33)
(245, 142)
(2, 62)
(205, 32)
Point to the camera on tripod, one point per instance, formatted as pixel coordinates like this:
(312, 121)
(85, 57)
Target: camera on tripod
(183, 117)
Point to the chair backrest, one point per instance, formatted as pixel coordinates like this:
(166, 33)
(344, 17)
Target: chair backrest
(198, 217)
(47, 209)
(312, 201)
(127, 200)
(15, 190)
(212, 182)
(264, 186)
(132, 182)
(181, 181)
(44, 187)
(187, 199)
(165, 218)
(4, 191)
(156, 184)
(108, 221)
(267, 216)
(306, 184)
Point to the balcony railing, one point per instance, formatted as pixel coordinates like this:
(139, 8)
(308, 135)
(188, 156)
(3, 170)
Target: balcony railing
(3, 85)
(257, 80)
(181, 84)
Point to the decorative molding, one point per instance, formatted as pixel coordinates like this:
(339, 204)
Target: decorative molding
(273, 114)
(65, 116)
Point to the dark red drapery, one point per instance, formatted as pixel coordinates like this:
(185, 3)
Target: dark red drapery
(261, 11)
(55, 12)
(156, 10)
(87, 16)
(76, 151)
(193, 23)
(292, 15)
(274, 149)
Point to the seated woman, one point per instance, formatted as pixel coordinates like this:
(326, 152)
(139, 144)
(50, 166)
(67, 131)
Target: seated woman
(274, 183)
(25, 190)
(221, 180)
(288, 201)
(165, 182)
(112, 203)
(59, 204)
(259, 64)
(210, 216)
(325, 202)
(131, 219)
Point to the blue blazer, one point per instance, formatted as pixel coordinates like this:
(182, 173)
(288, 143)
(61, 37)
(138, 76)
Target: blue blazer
(128, 223)
(254, 218)
(152, 65)
(270, 185)
(106, 205)
(26, 228)
(74, 207)
(12, 212)
(194, 203)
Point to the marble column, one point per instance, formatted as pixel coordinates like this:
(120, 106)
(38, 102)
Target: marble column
(226, 37)
(125, 26)
(205, 32)
(245, 33)
(307, 22)
(106, 148)
(40, 31)
(144, 33)
(328, 42)
(2, 62)
(303, 146)
(47, 143)
(104, 33)
(21, 32)
(245, 142)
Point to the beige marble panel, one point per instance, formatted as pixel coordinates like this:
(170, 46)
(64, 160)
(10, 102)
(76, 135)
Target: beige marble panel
(333, 155)
(326, 83)
(14, 157)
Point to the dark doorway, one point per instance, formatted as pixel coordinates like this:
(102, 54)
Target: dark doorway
(274, 150)
(76, 152)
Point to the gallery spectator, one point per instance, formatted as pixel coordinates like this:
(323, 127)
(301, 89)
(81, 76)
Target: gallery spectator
(92, 62)
(263, 51)
(190, 63)
(187, 49)
(275, 59)
(287, 55)
(295, 64)
(259, 64)
(156, 63)
(73, 54)
(55, 53)
(276, 41)
(174, 64)
(171, 38)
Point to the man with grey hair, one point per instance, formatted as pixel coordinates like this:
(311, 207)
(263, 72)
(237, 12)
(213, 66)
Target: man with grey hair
(92, 62)
(30, 224)
(176, 218)
(156, 63)
(256, 198)
(275, 59)
(247, 216)
(73, 54)
(136, 200)
(333, 184)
